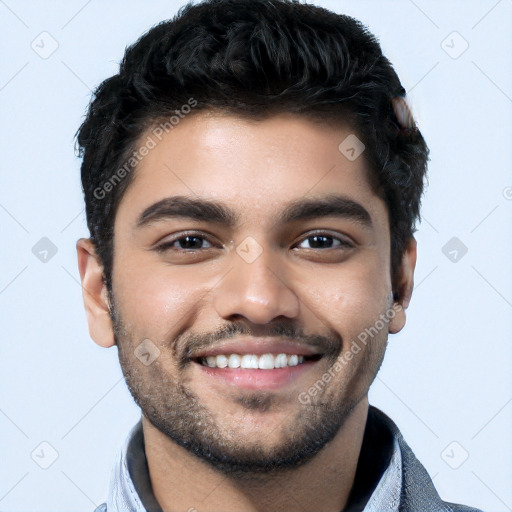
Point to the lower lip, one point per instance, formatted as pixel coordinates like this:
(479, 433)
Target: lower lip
(256, 378)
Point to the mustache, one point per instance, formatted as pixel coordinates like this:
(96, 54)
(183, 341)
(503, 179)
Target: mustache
(186, 345)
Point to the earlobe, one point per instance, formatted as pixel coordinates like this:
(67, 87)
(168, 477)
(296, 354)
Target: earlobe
(95, 295)
(403, 287)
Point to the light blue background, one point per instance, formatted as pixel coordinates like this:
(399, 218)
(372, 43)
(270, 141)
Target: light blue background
(447, 377)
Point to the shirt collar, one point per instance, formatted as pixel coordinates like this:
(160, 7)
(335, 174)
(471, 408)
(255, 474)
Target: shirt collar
(130, 487)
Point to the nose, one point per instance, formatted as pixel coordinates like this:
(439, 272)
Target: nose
(257, 291)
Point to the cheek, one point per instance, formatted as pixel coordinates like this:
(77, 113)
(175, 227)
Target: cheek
(156, 298)
(349, 297)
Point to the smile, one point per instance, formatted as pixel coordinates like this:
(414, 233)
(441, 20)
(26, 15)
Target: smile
(270, 372)
(255, 361)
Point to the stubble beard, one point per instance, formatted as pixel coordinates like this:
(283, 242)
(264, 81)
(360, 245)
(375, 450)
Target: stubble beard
(175, 410)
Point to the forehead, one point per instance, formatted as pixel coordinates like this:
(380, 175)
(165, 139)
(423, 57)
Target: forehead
(253, 166)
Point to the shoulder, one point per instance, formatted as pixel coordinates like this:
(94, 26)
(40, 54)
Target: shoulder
(417, 489)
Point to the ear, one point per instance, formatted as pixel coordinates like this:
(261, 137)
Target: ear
(403, 286)
(95, 295)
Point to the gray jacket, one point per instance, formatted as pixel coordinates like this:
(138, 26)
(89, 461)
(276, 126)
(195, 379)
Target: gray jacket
(404, 486)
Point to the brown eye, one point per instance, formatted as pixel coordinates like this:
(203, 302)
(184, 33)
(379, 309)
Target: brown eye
(191, 242)
(324, 241)
(186, 243)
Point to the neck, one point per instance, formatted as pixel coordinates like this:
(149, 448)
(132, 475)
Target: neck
(182, 482)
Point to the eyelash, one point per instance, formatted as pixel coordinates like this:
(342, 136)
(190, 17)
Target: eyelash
(169, 244)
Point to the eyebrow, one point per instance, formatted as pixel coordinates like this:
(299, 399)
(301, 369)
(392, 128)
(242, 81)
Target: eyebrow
(208, 210)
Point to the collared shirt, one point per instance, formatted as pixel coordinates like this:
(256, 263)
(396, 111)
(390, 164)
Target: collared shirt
(388, 477)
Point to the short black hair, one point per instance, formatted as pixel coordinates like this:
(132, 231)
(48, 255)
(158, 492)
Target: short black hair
(255, 59)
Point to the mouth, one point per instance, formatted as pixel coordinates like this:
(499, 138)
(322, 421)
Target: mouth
(256, 362)
(256, 365)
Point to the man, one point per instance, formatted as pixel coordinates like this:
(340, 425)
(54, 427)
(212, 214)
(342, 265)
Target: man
(252, 178)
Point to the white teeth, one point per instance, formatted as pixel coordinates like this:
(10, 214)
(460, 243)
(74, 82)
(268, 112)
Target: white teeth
(234, 361)
(266, 362)
(249, 361)
(281, 361)
(253, 361)
(293, 360)
(222, 361)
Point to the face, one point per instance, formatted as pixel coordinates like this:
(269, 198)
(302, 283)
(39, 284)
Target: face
(251, 262)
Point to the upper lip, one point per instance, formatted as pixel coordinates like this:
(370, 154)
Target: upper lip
(258, 346)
